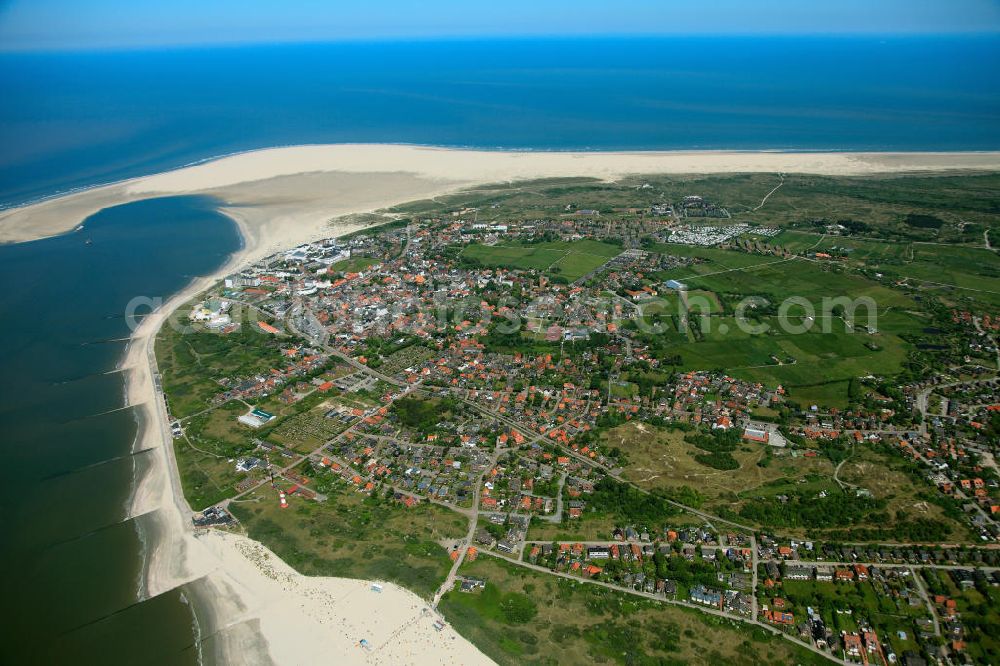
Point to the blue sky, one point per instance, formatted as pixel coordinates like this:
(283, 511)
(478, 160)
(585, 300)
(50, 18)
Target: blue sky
(72, 24)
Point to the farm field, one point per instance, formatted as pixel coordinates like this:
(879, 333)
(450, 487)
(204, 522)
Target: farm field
(974, 271)
(713, 260)
(523, 616)
(569, 259)
(729, 277)
(813, 365)
(776, 280)
(856, 249)
(703, 302)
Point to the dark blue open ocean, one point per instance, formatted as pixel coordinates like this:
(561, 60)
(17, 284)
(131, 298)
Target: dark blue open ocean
(70, 556)
(76, 119)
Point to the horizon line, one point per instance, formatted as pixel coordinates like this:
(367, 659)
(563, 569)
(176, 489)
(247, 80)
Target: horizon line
(473, 37)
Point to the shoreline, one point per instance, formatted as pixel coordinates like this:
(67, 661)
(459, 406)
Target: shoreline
(80, 189)
(240, 178)
(280, 198)
(248, 604)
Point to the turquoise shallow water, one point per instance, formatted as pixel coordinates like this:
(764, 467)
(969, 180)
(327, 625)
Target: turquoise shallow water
(70, 558)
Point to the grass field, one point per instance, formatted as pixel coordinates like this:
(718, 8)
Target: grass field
(352, 264)
(883, 475)
(207, 478)
(816, 366)
(713, 260)
(211, 439)
(703, 302)
(857, 249)
(191, 362)
(586, 528)
(661, 459)
(973, 271)
(776, 280)
(355, 536)
(564, 622)
(802, 207)
(570, 260)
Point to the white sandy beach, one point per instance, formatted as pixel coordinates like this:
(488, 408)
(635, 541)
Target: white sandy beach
(281, 198)
(262, 610)
(312, 620)
(293, 191)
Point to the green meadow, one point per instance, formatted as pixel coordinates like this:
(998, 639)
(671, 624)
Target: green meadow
(814, 358)
(952, 270)
(568, 259)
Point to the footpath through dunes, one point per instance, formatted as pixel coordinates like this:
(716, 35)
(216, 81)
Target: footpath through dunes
(310, 619)
(286, 195)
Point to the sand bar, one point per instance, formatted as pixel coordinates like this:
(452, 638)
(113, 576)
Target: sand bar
(305, 185)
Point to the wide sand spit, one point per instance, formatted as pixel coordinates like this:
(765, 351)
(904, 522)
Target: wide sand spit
(261, 610)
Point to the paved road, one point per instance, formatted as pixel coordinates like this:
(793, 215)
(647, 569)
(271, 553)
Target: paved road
(534, 437)
(927, 601)
(884, 565)
(754, 562)
(674, 602)
(449, 582)
(593, 463)
(318, 450)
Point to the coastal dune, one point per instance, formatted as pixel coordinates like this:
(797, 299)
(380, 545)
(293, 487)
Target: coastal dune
(483, 166)
(295, 191)
(280, 198)
(260, 610)
(313, 620)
